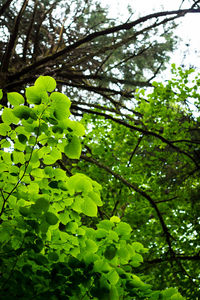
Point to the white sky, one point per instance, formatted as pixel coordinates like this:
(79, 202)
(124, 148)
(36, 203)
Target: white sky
(188, 30)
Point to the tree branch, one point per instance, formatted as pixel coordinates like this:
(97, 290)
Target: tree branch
(94, 35)
(138, 190)
(144, 131)
(13, 37)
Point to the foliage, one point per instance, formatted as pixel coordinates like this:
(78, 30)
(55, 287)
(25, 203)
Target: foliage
(142, 146)
(46, 251)
(148, 165)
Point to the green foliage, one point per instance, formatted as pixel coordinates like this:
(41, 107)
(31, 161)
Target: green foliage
(46, 250)
(148, 162)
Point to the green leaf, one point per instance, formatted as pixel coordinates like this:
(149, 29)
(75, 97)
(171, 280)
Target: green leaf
(101, 265)
(64, 218)
(61, 105)
(89, 208)
(137, 282)
(4, 129)
(46, 82)
(51, 218)
(113, 236)
(136, 260)
(53, 256)
(96, 198)
(54, 184)
(113, 277)
(170, 293)
(35, 95)
(123, 228)
(80, 183)
(15, 98)
(106, 224)
(24, 211)
(42, 204)
(124, 253)
(52, 157)
(1, 94)
(41, 260)
(137, 246)
(74, 126)
(91, 246)
(24, 112)
(4, 235)
(115, 219)
(73, 149)
(18, 157)
(22, 138)
(8, 117)
(110, 252)
(177, 296)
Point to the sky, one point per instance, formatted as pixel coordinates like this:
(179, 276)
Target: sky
(187, 31)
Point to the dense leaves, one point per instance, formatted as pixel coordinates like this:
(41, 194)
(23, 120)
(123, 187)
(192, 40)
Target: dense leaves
(46, 250)
(148, 164)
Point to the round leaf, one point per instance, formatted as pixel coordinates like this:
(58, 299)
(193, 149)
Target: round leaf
(34, 95)
(51, 218)
(89, 208)
(15, 98)
(115, 219)
(123, 228)
(4, 128)
(46, 82)
(42, 204)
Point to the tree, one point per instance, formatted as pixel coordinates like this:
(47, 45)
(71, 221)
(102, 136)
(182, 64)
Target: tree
(142, 146)
(82, 48)
(150, 176)
(46, 251)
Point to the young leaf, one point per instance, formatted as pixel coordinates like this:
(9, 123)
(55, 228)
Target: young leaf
(123, 228)
(73, 149)
(35, 95)
(60, 105)
(105, 224)
(18, 157)
(46, 82)
(4, 128)
(89, 208)
(15, 98)
(115, 219)
(96, 198)
(9, 117)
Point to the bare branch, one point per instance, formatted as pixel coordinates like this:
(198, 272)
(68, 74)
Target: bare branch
(11, 44)
(92, 36)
